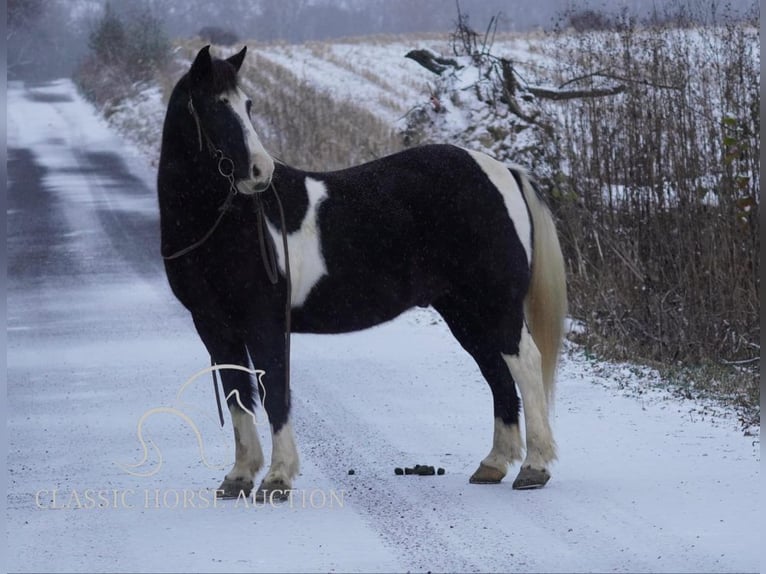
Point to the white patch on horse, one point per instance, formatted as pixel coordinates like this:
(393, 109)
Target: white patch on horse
(526, 370)
(506, 446)
(248, 453)
(259, 157)
(284, 456)
(307, 266)
(500, 176)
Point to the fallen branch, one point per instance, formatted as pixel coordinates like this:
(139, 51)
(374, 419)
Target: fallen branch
(432, 62)
(559, 95)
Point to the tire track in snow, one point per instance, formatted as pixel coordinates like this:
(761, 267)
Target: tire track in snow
(401, 513)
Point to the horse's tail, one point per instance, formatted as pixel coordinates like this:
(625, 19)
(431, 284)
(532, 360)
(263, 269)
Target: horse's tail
(545, 306)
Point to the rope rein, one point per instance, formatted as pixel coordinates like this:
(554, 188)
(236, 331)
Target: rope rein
(268, 250)
(223, 209)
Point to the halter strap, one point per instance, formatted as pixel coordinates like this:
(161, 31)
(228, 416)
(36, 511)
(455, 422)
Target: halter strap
(223, 209)
(200, 131)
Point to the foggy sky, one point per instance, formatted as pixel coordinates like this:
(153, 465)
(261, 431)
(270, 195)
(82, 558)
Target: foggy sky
(56, 39)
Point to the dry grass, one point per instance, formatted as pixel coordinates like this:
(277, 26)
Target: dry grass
(304, 126)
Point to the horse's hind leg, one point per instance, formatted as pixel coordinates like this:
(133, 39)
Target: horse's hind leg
(525, 367)
(501, 345)
(482, 340)
(238, 390)
(506, 438)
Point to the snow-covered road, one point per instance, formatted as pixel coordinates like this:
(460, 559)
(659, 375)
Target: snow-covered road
(96, 340)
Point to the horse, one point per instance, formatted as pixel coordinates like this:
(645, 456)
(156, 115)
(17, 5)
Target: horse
(256, 249)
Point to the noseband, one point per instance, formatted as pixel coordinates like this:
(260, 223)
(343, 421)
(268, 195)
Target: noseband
(226, 168)
(225, 164)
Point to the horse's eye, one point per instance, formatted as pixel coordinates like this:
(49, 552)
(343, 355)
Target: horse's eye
(225, 100)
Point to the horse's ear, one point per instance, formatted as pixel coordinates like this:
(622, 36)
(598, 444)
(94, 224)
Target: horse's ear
(237, 59)
(202, 66)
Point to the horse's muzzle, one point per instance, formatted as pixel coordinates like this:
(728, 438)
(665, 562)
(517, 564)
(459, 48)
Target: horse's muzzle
(251, 187)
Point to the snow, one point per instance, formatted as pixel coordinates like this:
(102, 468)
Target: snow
(340, 73)
(643, 484)
(375, 74)
(142, 117)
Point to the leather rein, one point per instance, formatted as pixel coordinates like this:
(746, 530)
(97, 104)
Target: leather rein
(226, 169)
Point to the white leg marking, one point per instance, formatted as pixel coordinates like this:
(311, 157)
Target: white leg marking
(247, 447)
(513, 197)
(307, 266)
(284, 457)
(506, 446)
(526, 370)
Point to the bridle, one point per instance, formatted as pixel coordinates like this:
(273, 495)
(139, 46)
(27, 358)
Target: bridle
(226, 168)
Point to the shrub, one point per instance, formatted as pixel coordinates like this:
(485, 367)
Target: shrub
(108, 41)
(661, 230)
(123, 53)
(148, 47)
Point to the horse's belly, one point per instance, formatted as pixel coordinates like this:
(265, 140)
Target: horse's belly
(341, 306)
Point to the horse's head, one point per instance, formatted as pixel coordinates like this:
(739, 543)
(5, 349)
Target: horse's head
(222, 111)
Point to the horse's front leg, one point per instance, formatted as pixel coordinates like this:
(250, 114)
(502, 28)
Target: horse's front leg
(226, 349)
(267, 352)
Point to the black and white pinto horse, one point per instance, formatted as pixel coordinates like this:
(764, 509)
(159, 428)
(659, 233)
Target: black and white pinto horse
(435, 225)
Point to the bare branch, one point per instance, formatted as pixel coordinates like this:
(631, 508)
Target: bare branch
(742, 362)
(558, 95)
(627, 80)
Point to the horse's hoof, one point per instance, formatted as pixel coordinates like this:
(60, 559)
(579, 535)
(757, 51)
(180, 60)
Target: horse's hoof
(530, 478)
(273, 491)
(234, 488)
(486, 475)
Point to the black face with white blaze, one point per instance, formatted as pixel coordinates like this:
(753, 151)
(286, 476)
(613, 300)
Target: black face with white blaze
(224, 113)
(259, 164)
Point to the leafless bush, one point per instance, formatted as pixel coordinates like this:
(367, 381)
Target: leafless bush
(126, 51)
(480, 101)
(660, 225)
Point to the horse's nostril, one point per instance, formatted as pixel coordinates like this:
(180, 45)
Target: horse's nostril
(256, 171)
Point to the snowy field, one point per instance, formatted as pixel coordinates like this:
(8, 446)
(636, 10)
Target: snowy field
(377, 75)
(644, 482)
